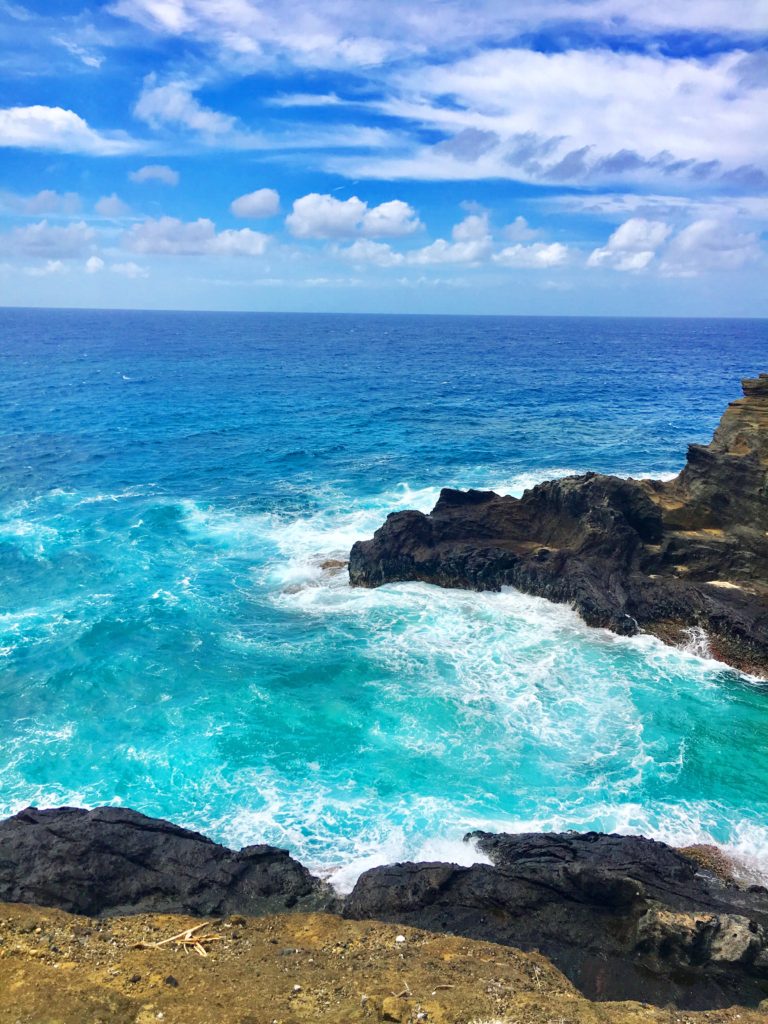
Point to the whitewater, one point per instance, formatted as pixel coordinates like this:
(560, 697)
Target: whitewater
(178, 495)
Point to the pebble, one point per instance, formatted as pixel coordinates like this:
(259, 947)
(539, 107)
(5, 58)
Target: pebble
(400, 938)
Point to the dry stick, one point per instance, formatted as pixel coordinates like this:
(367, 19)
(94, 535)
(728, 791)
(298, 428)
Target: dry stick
(187, 938)
(186, 934)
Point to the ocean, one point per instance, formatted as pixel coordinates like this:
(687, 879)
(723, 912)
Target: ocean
(171, 485)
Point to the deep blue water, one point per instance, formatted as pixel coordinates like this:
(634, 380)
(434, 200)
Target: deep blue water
(170, 484)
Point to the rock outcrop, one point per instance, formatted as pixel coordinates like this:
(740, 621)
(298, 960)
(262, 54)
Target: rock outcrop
(629, 555)
(116, 861)
(622, 917)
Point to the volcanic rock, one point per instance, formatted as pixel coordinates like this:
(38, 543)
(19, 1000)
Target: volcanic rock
(116, 861)
(629, 555)
(621, 916)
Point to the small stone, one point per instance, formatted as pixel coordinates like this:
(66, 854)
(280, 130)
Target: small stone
(297, 988)
(134, 978)
(400, 938)
(170, 980)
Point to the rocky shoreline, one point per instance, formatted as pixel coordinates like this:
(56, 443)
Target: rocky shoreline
(629, 555)
(622, 917)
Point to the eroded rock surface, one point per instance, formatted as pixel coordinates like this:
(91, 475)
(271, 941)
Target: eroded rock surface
(112, 860)
(661, 556)
(621, 916)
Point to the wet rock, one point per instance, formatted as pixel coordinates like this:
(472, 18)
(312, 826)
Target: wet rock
(627, 554)
(112, 860)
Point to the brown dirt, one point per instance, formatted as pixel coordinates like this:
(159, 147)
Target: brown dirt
(56, 968)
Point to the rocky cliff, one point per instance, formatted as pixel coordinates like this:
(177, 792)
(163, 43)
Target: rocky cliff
(623, 917)
(629, 555)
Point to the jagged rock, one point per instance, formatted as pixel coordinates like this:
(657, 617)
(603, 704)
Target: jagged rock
(627, 554)
(621, 916)
(115, 861)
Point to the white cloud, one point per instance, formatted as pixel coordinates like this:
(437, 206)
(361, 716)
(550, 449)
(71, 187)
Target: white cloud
(87, 57)
(577, 116)
(710, 245)
(175, 104)
(49, 267)
(44, 239)
(155, 172)
(632, 246)
(364, 250)
(324, 216)
(390, 220)
(45, 202)
(111, 206)
(94, 264)
(171, 237)
(349, 34)
(130, 270)
(520, 231)
(53, 128)
(306, 99)
(240, 243)
(253, 33)
(472, 243)
(264, 202)
(537, 256)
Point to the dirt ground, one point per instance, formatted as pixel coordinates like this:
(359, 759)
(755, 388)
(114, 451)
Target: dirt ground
(56, 968)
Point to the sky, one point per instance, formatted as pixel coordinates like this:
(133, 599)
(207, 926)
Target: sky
(580, 157)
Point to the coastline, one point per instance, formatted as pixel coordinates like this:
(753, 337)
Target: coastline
(622, 917)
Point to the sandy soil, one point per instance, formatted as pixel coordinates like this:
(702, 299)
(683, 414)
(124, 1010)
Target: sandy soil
(56, 968)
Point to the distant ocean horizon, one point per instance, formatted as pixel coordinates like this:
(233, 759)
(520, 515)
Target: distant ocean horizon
(172, 487)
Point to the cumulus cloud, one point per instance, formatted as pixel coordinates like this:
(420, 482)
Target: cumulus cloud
(51, 240)
(54, 128)
(364, 250)
(632, 246)
(710, 245)
(155, 172)
(324, 216)
(519, 231)
(537, 256)
(471, 243)
(94, 264)
(172, 237)
(111, 206)
(264, 202)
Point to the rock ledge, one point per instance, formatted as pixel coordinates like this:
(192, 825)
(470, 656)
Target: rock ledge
(629, 555)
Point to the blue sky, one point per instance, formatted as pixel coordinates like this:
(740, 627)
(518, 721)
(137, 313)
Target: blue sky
(478, 156)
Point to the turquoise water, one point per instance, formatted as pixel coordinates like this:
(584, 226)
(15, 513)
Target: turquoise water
(170, 485)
